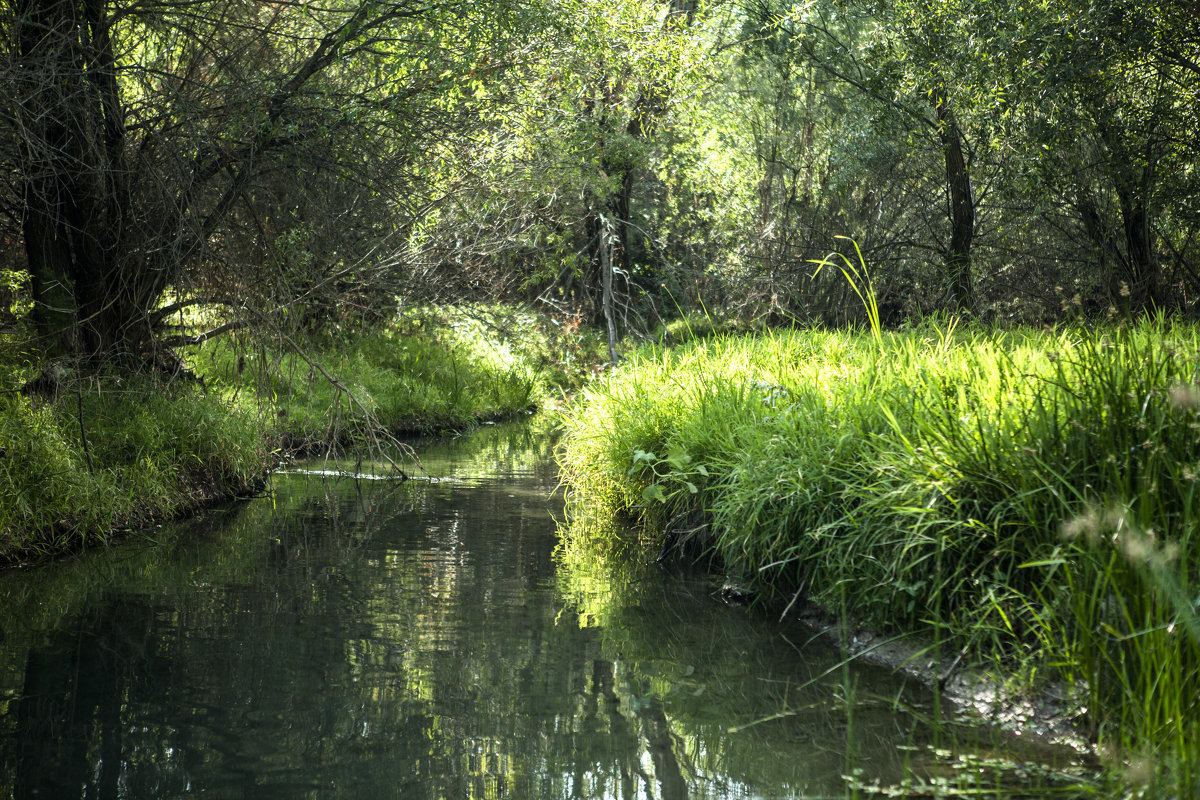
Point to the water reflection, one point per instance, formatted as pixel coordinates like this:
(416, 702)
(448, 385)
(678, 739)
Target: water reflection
(418, 640)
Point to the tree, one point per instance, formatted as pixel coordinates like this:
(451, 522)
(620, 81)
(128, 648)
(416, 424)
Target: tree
(1103, 105)
(876, 76)
(548, 209)
(153, 141)
(1037, 151)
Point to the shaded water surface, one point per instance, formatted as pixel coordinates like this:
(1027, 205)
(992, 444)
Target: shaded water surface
(366, 639)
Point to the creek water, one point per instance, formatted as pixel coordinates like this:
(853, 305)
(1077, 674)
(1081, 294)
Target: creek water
(436, 639)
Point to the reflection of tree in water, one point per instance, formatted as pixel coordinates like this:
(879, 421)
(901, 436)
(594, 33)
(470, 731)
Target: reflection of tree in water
(68, 719)
(369, 641)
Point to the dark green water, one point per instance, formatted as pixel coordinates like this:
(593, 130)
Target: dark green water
(366, 639)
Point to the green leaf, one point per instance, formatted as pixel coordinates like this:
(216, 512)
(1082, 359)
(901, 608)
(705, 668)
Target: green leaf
(678, 458)
(643, 455)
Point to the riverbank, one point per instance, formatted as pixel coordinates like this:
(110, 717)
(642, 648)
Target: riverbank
(84, 458)
(1023, 498)
(250, 644)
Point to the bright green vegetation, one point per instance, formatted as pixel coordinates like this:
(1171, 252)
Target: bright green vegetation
(1023, 496)
(116, 455)
(103, 453)
(298, 176)
(440, 372)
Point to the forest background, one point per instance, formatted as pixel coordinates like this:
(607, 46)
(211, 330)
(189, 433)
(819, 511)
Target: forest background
(314, 167)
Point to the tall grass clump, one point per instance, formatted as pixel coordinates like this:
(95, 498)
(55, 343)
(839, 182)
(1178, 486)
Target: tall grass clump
(114, 455)
(1026, 496)
(677, 419)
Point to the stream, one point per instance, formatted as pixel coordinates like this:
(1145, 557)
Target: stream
(446, 638)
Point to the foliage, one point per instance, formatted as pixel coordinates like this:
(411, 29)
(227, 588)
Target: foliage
(1076, 131)
(609, 160)
(604, 159)
(1026, 494)
(573, 134)
(251, 157)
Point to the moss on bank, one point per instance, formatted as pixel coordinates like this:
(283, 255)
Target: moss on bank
(91, 455)
(1025, 496)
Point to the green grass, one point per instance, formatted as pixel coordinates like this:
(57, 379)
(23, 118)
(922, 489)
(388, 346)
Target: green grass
(436, 370)
(1026, 495)
(151, 448)
(152, 451)
(689, 326)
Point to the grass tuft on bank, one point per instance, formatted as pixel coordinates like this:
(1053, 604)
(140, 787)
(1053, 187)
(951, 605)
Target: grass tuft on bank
(1024, 496)
(115, 455)
(434, 370)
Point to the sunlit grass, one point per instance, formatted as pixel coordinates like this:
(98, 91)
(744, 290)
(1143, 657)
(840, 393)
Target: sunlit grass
(116, 455)
(1027, 495)
(97, 453)
(435, 371)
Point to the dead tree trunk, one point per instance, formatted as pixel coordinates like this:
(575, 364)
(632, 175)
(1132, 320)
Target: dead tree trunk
(606, 277)
(648, 108)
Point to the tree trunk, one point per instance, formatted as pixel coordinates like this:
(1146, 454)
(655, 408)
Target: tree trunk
(1136, 286)
(41, 29)
(75, 178)
(48, 258)
(1126, 249)
(962, 207)
(1141, 268)
(606, 280)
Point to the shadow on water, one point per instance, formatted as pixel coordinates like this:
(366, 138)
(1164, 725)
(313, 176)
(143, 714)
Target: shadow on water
(428, 639)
